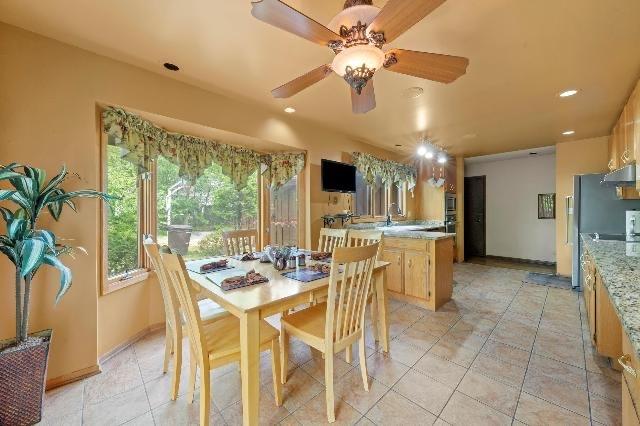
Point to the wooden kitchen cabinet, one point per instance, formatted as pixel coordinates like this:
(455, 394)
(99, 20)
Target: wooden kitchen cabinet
(630, 383)
(394, 270)
(604, 325)
(416, 274)
(420, 271)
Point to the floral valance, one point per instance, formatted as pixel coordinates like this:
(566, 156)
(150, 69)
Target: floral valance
(388, 171)
(142, 141)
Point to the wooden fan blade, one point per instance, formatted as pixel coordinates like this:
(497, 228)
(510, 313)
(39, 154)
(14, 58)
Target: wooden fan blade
(365, 101)
(431, 66)
(285, 17)
(397, 16)
(299, 84)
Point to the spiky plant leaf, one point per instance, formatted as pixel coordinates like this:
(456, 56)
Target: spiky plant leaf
(65, 274)
(37, 175)
(10, 252)
(31, 254)
(6, 194)
(27, 187)
(8, 174)
(47, 237)
(55, 181)
(7, 215)
(17, 229)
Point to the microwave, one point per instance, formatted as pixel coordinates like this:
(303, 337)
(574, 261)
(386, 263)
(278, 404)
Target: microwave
(450, 203)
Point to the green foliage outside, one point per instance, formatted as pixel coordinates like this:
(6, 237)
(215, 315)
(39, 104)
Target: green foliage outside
(210, 207)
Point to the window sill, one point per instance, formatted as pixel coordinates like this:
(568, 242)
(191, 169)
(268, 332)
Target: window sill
(115, 284)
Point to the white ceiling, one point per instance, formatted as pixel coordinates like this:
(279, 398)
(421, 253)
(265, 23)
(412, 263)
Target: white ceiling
(522, 53)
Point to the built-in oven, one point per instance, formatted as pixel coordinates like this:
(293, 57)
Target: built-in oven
(450, 203)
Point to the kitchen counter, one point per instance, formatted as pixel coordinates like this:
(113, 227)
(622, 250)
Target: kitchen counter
(416, 235)
(414, 229)
(621, 277)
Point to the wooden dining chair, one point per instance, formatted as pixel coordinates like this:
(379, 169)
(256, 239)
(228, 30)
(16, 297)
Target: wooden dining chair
(331, 238)
(217, 343)
(209, 310)
(359, 238)
(240, 242)
(333, 326)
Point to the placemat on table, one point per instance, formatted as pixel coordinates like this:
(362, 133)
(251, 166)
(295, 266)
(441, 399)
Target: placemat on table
(195, 265)
(305, 275)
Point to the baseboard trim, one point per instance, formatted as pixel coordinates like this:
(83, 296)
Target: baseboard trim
(72, 377)
(130, 341)
(518, 260)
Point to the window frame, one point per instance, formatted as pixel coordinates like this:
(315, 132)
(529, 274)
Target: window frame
(146, 222)
(385, 204)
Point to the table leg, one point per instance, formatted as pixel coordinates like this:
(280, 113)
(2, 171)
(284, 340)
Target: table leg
(383, 309)
(250, 366)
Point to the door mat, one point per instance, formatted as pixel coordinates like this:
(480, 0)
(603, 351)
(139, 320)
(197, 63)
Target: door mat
(548, 280)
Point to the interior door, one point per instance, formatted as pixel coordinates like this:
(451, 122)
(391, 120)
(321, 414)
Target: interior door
(475, 215)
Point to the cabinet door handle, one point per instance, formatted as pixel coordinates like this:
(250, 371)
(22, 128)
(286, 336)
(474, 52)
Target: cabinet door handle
(624, 361)
(410, 263)
(399, 260)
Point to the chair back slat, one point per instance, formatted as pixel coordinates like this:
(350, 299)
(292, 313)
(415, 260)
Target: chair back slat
(187, 293)
(364, 237)
(349, 283)
(240, 242)
(169, 297)
(332, 238)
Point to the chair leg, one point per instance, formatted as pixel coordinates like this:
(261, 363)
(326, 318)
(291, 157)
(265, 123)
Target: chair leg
(177, 367)
(363, 363)
(328, 381)
(193, 369)
(374, 317)
(168, 348)
(284, 355)
(349, 354)
(205, 396)
(276, 371)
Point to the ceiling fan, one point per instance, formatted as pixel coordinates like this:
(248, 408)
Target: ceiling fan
(356, 35)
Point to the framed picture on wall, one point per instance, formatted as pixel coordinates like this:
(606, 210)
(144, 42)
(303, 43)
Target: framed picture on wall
(546, 206)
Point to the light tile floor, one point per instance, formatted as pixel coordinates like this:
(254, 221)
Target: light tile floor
(502, 352)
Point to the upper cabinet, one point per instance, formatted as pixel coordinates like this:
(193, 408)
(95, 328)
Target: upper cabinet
(624, 143)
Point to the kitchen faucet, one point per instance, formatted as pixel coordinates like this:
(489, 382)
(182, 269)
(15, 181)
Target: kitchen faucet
(388, 223)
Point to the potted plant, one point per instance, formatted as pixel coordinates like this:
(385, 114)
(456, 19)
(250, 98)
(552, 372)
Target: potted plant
(23, 360)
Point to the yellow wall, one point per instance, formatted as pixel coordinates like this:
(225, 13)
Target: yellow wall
(49, 93)
(574, 158)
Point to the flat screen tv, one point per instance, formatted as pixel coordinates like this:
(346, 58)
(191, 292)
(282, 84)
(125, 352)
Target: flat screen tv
(337, 177)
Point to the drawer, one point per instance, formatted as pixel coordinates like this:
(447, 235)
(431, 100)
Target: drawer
(406, 244)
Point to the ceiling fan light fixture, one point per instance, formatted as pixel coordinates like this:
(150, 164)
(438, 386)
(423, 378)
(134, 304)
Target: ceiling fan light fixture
(358, 64)
(568, 93)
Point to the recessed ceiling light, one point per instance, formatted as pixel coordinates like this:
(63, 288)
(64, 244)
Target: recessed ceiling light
(422, 150)
(413, 92)
(170, 66)
(568, 132)
(398, 145)
(568, 93)
(442, 159)
(289, 110)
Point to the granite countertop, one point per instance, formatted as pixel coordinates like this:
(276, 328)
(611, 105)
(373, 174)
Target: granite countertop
(417, 235)
(414, 229)
(407, 225)
(621, 277)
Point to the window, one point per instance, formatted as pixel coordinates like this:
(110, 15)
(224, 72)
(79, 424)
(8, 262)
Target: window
(374, 200)
(283, 214)
(192, 218)
(123, 225)
(188, 218)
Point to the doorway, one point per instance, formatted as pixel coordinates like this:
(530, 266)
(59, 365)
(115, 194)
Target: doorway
(475, 206)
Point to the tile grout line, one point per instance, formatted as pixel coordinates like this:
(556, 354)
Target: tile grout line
(476, 356)
(135, 354)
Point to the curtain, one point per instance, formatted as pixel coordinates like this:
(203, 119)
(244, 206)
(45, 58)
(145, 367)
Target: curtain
(390, 172)
(142, 141)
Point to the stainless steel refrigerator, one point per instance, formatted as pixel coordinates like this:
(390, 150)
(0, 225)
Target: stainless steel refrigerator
(593, 208)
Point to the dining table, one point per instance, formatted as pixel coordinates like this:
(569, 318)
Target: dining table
(252, 303)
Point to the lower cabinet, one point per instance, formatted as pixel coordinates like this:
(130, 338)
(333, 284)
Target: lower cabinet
(630, 383)
(604, 324)
(420, 271)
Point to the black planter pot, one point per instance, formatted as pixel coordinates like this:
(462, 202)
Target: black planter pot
(23, 373)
